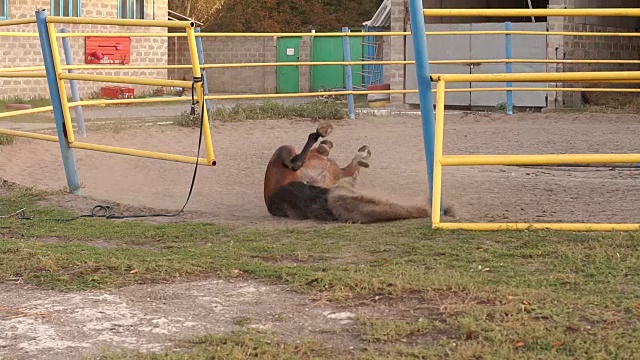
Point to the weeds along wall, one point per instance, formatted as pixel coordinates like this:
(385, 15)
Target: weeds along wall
(25, 51)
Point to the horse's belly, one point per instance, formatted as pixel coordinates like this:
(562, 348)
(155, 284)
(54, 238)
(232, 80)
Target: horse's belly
(317, 177)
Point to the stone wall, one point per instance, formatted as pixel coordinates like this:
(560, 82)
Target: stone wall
(25, 51)
(234, 50)
(591, 47)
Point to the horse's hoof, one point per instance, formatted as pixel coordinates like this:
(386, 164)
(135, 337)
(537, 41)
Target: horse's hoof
(363, 163)
(365, 152)
(324, 130)
(324, 148)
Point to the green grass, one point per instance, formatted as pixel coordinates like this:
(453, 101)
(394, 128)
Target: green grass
(236, 346)
(6, 139)
(500, 295)
(271, 110)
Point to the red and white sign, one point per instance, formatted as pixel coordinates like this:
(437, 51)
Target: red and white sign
(107, 50)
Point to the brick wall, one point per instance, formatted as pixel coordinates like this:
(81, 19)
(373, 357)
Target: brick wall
(233, 50)
(25, 51)
(591, 47)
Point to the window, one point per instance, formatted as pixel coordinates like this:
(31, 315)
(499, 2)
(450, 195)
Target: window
(131, 9)
(4, 9)
(66, 8)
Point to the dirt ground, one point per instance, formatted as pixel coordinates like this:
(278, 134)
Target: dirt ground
(47, 324)
(52, 325)
(232, 190)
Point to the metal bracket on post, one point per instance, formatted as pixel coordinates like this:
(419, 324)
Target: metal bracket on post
(509, 66)
(68, 158)
(348, 74)
(75, 94)
(204, 73)
(416, 16)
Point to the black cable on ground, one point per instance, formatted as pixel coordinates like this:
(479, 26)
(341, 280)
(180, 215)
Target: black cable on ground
(104, 211)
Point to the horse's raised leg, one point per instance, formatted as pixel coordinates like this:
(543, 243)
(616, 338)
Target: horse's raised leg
(324, 148)
(296, 162)
(360, 160)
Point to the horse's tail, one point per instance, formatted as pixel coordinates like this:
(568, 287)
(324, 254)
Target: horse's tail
(349, 205)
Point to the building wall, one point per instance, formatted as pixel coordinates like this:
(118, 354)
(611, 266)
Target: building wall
(25, 51)
(233, 50)
(592, 47)
(558, 47)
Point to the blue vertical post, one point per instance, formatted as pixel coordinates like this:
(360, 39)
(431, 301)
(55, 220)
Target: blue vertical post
(68, 158)
(348, 74)
(75, 94)
(204, 74)
(509, 65)
(416, 13)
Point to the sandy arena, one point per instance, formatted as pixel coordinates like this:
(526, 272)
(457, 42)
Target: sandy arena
(232, 191)
(44, 324)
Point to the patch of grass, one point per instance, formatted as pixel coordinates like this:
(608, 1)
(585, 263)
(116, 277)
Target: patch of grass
(6, 139)
(237, 345)
(500, 295)
(389, 330)
(270, 110)
(34, 102)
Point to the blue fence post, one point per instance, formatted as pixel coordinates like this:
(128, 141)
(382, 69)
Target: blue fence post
(416, 12)
(205, 85)
(68, 158)
(348, 74)
(509, 65)
(75, 94)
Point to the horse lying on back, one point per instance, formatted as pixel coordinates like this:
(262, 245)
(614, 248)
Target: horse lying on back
(310, 185)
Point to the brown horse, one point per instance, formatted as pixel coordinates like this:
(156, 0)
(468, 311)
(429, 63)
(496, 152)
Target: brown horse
(310, 185)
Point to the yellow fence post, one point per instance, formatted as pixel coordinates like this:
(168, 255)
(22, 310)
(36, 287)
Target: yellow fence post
(63, 92)
(437, 165)
(199, 88)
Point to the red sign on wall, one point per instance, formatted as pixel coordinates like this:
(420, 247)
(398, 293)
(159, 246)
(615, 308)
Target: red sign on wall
(107, 50)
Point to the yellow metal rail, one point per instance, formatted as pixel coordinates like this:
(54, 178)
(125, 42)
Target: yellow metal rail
(126, 80)
(632, 12)
(26, 111)
(538, 159)
(29, 135)
(324, 63)
(63, 92)
(356, 34)
(541, 77)
(140, 153)
(17, 34)
(13, 74)
(441, 160)
(17, 22)
(120, 22)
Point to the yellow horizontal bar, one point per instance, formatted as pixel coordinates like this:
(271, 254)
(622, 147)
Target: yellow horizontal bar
(121, 34)
(17, 22)
(538, 159)
(531, 32)
(139, 153)
(634, 12)
(545, 89)
(325, 63)
(19, 74)
(17, 34)
(128, 101)
(357, 34)
(120, 22)
(537, 226)
(23, 68)
(29, 135)
(125, 80)
(541, 77)
(26, 111)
